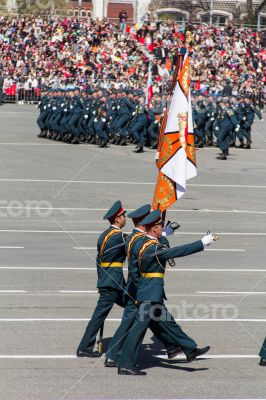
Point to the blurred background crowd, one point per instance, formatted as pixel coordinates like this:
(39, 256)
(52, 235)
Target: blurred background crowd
(39, 52)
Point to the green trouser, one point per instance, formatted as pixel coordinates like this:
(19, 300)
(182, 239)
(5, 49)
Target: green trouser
(263, 350)
(160, 314)
(108, 297)
(127, 323)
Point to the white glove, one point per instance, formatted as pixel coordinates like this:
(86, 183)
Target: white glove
(65, 109)
(134, 113)
(62, 104)
(44, 107)
(156, 122)
(244, 118)
(237, 128)
(118, 107)
(212, 119)
(168, 231)
(86, 116)
(104, 119)
(217, 129)
(95, 119)
(71, 107)
(54, 108)
(93, 112)
(207, 239)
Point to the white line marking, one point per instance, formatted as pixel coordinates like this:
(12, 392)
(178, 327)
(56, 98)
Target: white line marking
(24, 112)
(49, 144)
(214, 357)
(85, 248)
(78, 291)
(13, 291)
(38, 357)
(230, 250)
(223, 250)
(125, 269)
(131, 209)
(72, 356)
(99, 232)
(213, 270)
(95, 293)
(119, 319)
(127, 183)
(236, 293)
(33, 144)
(11, 247)
(48, 292)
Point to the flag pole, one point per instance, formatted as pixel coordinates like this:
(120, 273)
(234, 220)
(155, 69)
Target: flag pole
(179, 63)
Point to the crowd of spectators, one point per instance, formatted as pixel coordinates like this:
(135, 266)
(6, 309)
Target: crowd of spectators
(57, 52)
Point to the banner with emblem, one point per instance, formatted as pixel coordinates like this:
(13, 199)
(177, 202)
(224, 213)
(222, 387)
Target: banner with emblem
(176, 157)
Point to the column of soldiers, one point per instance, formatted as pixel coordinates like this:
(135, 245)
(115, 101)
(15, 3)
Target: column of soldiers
(147, 250)
(100, 117)
(224, 122)
(121, 116)
(142, 296)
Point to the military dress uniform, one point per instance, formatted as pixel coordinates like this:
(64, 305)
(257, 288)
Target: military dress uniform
(131, 308)
(138, 125)
(41, 121)
(150, 295)
(111, 283)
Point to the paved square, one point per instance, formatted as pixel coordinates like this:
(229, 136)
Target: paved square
(53, 196)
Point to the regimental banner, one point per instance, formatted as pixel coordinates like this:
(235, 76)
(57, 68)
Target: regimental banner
(176, 158)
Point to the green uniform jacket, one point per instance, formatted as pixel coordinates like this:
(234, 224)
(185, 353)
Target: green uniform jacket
(111, 249)
(152, 289)
(133, 244)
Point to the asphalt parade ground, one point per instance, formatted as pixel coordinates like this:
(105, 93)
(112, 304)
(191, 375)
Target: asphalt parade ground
(53, 196)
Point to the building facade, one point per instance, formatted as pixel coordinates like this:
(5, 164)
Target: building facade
(216, 11)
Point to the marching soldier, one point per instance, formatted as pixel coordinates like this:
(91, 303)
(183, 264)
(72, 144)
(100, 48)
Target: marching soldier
(138, 125)
(155, 112)
(111, 283)
(131, 309)
(152, 258)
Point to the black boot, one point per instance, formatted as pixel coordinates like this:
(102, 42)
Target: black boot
(139, 149)
(209, 143)
(103, 144)
(130, 371)
(241, 146)
(196, 353)
(247, 145)
(75, 141)
(173, 351)
(263, 362)
(222, 156)
(123, 142)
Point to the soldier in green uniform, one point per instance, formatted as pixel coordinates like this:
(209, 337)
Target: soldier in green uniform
(111, 283)
(263, 354)
(131, 309)
(150, 294)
